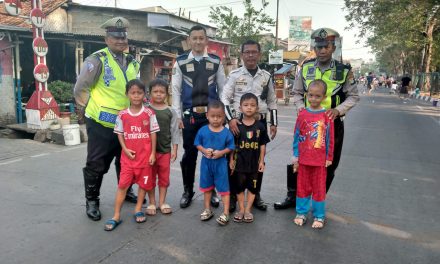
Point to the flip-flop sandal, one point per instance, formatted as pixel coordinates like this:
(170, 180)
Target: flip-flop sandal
(238, 217)
(165, 209)
(248, 218)
(206, 215)
(151, 210)
(138, 217)
(223, 219)
(300, 217)
(319, 220)
(112, 223)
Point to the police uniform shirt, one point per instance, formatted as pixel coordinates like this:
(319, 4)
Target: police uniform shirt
(240, 81)
(176, 83)
(89, 75)
(349, 88)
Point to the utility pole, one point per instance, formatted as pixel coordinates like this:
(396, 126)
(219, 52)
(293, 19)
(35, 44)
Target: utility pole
(116, 3)
(276, 27)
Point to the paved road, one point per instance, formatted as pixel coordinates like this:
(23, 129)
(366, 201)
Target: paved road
(383, 206)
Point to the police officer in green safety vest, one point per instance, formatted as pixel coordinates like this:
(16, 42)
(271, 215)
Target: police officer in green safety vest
(342, 95)
(100, 93)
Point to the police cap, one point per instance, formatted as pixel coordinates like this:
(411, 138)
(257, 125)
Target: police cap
(116, 27)
(322, 36)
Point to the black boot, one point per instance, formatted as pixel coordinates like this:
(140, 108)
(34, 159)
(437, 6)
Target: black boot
(290, 200)
(233, 203)
(92, 210)
(215, 200)
(187, 196)
(259, 203)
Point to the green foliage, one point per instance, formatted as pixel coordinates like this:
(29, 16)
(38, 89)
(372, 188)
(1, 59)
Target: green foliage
(239, 29)
(397, 31)
(61, 91)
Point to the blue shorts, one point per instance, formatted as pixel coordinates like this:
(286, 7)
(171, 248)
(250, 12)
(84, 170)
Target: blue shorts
(214, 174)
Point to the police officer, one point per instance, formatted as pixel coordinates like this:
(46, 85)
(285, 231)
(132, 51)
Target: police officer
(100, 89)
(198, 78)
(250, 79)
(342, 95)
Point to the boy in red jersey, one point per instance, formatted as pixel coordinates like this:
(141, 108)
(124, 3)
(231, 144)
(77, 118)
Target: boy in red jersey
(136, 127)
(312, 153)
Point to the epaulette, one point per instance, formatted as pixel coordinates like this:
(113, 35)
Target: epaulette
(100, 54)
(309, 60)
(212, 55)
(182, 56)
(235, 70)
(265, 72)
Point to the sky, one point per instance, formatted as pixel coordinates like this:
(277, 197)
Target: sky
(324, 13)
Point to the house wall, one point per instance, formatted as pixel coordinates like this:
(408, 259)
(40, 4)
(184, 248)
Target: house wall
(7, 98)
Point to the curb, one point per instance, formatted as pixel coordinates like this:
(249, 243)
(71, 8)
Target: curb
(426, 99)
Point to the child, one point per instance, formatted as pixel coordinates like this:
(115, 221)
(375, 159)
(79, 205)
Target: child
(166, 146)
(248, 158)
(136, 128)
(214, 141)
(313, 152)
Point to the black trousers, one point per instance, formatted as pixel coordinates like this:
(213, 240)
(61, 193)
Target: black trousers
(102, 147)
(192, 123)
(338, 141)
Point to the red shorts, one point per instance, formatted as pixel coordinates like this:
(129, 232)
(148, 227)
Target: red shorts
(141, 176)
(161, 169)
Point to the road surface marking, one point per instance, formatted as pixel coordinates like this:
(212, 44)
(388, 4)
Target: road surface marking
(39, 155)
(11, 161)
(386, 230)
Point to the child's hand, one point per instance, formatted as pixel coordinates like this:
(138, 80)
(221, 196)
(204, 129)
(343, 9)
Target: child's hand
(208, 152)
(232, 164)
(295, 167)
(152, 159)
(217, 154)
(328, 163)
(131, 154)
(261, 166)
(174, 155)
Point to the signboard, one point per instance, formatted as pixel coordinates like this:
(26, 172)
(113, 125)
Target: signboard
(13, 7)
(38, 18)
(41, 73)
(300, 30)
(276, 57)
(40, 47)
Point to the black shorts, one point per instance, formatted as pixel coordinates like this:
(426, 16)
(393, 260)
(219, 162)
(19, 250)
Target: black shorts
(246, 180)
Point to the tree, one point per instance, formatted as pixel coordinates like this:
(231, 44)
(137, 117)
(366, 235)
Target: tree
(403, 33)
(238, 29)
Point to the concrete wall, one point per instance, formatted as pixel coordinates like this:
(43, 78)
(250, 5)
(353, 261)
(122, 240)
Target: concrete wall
(7, 100)
(57, 21)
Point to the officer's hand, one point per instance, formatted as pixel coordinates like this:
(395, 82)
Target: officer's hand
(332, 113)
(180, 122)
(233, 126)
(273, 132)
(80, 112)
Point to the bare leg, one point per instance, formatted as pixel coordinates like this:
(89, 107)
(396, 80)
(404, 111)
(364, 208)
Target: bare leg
(240, 198)
(250, 200)
(207, 199)
(225, 200)
(119, 200)
(151, 201)
(162, 195)
(140, 200)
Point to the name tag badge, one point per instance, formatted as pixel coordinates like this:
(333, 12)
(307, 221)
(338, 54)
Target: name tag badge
(311, 73)
(210, 66)
(190, 67)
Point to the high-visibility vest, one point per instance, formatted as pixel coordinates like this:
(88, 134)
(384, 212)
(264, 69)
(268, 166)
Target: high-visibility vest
(335, 77)
(107, 96)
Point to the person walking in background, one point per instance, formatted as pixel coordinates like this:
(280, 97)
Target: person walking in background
(100, 94)
(198, 78)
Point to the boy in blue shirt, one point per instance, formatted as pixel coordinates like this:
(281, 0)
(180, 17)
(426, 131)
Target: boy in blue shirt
(215, 141)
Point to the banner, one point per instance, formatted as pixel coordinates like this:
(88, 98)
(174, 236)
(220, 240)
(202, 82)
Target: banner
(300, 30)
(276, 56)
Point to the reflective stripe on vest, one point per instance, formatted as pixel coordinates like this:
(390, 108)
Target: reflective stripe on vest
(107, 96)
(334, 95)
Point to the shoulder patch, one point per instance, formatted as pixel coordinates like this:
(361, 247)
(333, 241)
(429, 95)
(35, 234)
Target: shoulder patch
(308, 61)
(235, 70)
(214, 56)
(183, 56)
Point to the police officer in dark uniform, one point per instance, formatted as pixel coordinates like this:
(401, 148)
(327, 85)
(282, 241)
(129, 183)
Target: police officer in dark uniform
(342, 95)
(100, 94)
(198, 78)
